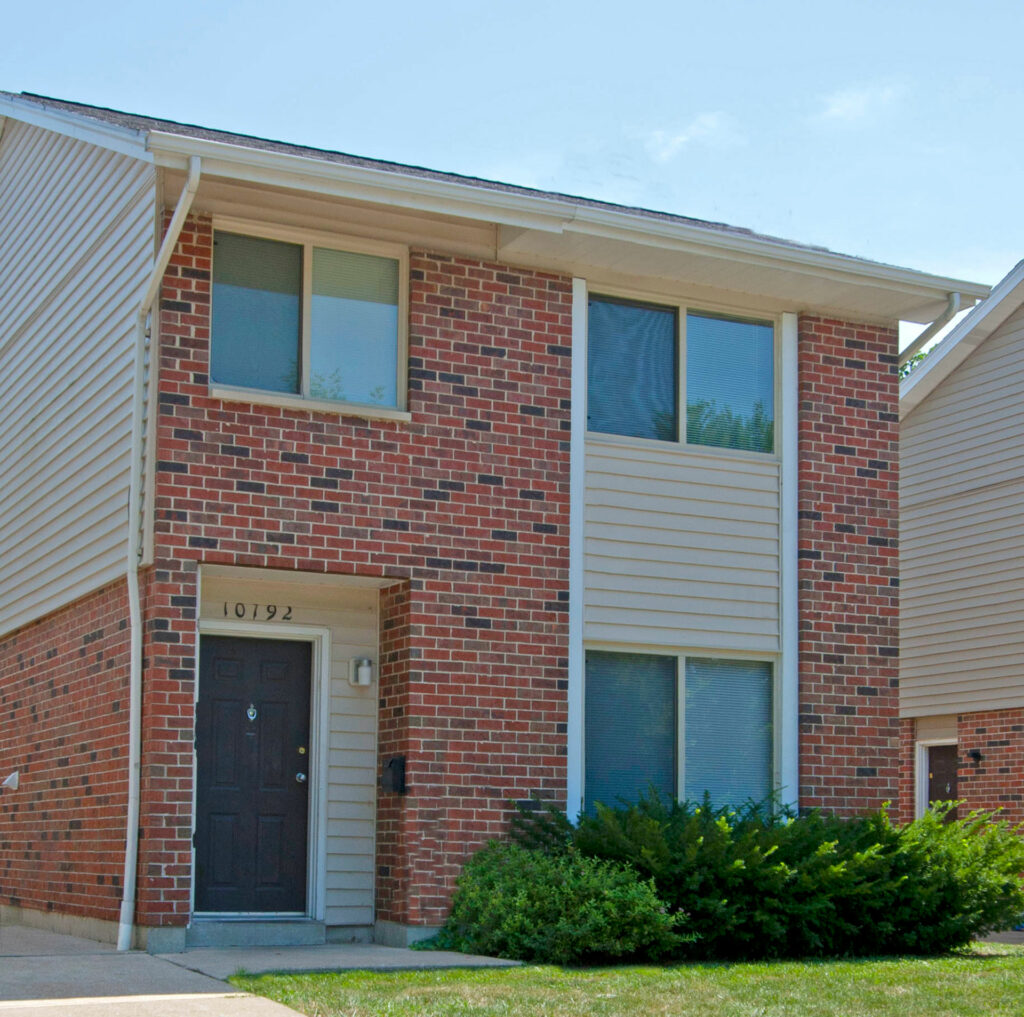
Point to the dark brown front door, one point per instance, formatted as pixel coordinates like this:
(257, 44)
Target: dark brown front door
(942, 764)
(252, 751)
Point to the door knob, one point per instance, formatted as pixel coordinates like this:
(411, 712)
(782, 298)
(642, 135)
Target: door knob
(301, 778)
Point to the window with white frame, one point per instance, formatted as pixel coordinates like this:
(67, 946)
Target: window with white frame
(306, 320)
(636, 381)
(685, 726)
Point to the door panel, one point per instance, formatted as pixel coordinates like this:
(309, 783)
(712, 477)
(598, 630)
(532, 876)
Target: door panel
(252, 718)
(942, 775)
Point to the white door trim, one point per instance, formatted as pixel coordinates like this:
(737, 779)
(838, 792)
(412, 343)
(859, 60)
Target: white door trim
(921, 748)
(319, 736)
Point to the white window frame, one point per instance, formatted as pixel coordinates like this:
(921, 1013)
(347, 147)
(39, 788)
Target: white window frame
(680, 658)
(786, 454)
(307, 240)
(921, 748)
(682, 307)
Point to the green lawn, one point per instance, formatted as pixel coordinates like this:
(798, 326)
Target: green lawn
(987, 980)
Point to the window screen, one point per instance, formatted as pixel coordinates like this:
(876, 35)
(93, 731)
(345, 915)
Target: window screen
(630, 726)
(632, 370)
(730, 383)
(728, 706)
(255, 315)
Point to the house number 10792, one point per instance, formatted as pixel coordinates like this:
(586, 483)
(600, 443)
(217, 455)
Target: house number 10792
(258, 612)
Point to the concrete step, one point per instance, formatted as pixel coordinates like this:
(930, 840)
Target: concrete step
(225, 932)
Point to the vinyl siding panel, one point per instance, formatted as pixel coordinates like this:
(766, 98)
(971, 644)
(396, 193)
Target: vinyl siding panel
(962, 536)
(351, 617)
(77, 234)
(681, 549)
(969, 433)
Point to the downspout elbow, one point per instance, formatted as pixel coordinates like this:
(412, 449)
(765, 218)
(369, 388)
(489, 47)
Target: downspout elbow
(952, 309)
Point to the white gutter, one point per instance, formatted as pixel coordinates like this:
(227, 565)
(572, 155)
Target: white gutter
(553, 214)
(952, 308)
(131, 847)
(958, 344)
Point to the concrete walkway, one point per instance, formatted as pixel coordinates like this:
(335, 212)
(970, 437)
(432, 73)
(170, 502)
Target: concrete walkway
(43, 974)
(326, 957)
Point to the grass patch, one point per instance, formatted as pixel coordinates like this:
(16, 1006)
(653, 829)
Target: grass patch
(985, 979)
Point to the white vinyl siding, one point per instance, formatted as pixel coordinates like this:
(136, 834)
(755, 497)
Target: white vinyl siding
(77, 229)
(962, 536)
(351, 616)
(681, 548)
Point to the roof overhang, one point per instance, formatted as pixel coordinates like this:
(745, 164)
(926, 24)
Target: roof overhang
(603, 243)
(561, 235)
(110, 136)
(1006, 297)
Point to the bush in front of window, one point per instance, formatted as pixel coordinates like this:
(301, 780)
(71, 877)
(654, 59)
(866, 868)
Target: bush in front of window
(562, 908)
(758, 883)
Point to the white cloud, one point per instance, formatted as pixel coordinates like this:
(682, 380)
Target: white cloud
(715, 128)
(852, 105)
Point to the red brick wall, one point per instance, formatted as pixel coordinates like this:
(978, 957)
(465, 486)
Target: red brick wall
(466, 506)
(169, 609)
(996, 781)
(396, 831)
(64, 726)
(903, 806)
(848, 569)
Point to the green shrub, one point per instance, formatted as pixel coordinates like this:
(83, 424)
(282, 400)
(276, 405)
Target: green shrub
(757, 882)
(561, 908)
(962, 880)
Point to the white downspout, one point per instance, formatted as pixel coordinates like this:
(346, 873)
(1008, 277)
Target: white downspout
(131, 847)
(952, 306)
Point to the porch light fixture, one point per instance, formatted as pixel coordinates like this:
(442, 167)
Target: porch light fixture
(360, 671)
(11, 781)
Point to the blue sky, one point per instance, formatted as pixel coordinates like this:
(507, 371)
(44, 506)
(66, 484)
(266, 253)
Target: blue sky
(889, 130)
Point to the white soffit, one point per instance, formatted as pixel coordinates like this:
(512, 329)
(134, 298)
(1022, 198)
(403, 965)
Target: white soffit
(957, 346)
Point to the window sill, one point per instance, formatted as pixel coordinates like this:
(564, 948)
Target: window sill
(681, 448)
(293, 402)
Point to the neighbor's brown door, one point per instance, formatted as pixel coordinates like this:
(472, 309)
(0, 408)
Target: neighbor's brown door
(252, 751)
(942, 767)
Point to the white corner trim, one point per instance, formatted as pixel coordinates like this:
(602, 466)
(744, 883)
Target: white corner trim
(789, 685)
(577, 491)
(319, 735)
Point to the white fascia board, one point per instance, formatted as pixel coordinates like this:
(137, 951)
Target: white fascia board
(766, 251)
(954, 349)
(122, 140)
(361, 183)
(547, 214)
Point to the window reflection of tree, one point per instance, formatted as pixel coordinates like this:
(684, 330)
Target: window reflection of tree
(709, 424)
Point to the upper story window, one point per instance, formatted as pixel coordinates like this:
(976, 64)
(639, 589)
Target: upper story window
(636, 384)
(308, 321)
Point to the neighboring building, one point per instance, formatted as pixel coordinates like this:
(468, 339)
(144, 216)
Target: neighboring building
(962, 562)
(351, 541)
